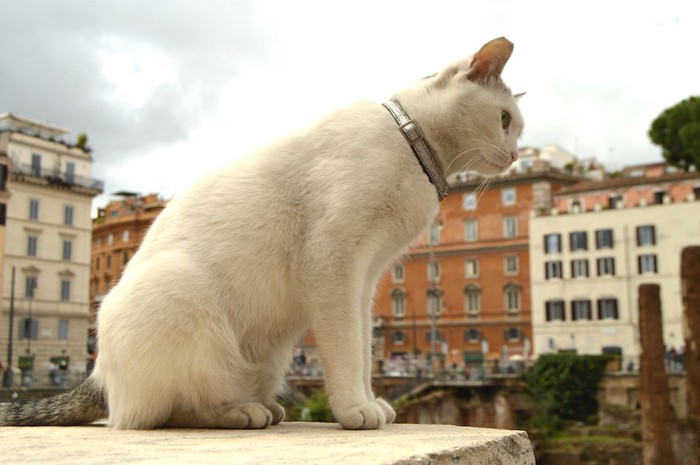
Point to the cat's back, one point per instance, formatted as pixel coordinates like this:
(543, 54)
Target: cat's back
(351, 165)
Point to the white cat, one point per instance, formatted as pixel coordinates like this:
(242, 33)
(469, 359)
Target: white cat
(200, 329)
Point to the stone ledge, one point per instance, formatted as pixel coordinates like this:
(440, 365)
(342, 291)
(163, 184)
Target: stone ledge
(288, 443)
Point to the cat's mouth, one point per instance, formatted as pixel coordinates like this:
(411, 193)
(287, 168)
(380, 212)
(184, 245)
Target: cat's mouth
(494, 166)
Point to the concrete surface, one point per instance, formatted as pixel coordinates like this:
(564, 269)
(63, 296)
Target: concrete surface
(286, 443)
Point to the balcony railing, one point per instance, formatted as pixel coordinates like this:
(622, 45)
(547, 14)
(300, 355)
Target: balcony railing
(57, 177)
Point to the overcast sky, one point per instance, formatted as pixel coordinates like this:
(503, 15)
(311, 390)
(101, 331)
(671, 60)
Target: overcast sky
(167, 90)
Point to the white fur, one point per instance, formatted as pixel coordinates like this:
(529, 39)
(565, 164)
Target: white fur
(200, 329)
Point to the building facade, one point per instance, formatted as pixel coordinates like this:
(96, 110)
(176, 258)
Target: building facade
(591, 252)
(471, 271)
(117, 233)
(47, 244)
(4, 197)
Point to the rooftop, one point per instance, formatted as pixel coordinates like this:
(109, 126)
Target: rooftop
(621, 182)
(288, 443)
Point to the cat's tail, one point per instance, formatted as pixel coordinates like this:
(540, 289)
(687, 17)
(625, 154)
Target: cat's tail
(84, 404)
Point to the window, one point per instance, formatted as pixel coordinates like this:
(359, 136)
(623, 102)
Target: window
(510, 265)
(471, 230)
(472, 335)
(696, 191)
(398, 303)
(110, 239)
(36, 164)
(67, 249)
(575, 206)
(472, 299)
(125, 236)
(510, 226)
(434, 301)
(62, 330)
(397, 273)
(646, 264)
(553, 270)
(434, 271)
(554, 310)
(646, 235)
(3, 213)
(68, 215)
(398, 337)
(579, 268)
(32, 242)
(65, 290)
(512, 297)
(607, 309)
(659, 197)
(471, 267)
(34, 209)
(3, 177)
(512, 334)
(579, 240)
(97, 263)
(552, 243)
(434, 238)
(615, 201)
(469, 201)
(508, 196)
(70, 172)
(439, 336)
(604, 239)
(29, 328)
(109, 262)
(30, 284)
(606, 266)
(580, 310)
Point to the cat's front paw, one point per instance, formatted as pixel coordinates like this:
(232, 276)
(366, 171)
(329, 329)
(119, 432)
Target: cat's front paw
(370, 415)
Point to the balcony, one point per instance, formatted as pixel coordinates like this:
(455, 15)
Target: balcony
(56, 177)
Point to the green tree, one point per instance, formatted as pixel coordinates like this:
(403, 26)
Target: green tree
(315, 408)
(677, 131)
(564, 386)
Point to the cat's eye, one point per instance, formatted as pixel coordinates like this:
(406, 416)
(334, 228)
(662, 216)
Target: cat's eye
(505, 119)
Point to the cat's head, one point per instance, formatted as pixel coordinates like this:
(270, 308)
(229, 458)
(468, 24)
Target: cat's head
(469, 115)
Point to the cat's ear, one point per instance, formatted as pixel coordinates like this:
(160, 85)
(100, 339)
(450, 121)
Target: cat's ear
(489, 61)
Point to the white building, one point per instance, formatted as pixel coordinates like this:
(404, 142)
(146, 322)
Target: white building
(589, 256)
(48, 239)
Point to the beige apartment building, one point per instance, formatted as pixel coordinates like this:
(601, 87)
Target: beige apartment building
(4, 197)
(47, 244)
(600, 242)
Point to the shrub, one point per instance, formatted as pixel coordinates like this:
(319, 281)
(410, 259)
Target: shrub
(564, 387)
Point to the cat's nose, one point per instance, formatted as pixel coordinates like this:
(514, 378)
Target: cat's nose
(513, 157)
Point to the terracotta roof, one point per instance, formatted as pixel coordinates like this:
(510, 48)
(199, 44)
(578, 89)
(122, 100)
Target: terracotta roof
(516, 178)
(609, 184)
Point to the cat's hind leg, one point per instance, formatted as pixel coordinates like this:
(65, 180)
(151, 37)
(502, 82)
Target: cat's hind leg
(276, 410)
(249, 415)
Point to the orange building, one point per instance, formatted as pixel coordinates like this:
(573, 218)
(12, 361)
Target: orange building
(472, 270)
(117, 232)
